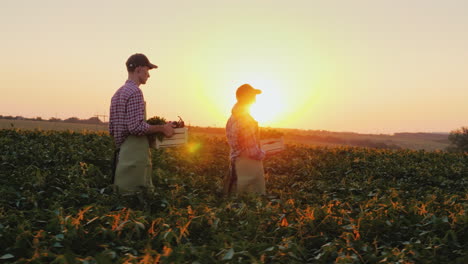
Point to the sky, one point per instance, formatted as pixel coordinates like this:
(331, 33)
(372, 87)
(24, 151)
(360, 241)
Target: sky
(365, 66)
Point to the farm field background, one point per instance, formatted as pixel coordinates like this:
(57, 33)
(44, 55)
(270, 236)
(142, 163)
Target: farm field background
(415, 141)
(324, 205)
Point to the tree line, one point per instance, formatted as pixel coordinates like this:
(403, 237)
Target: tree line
(458, 138)
(92, 120)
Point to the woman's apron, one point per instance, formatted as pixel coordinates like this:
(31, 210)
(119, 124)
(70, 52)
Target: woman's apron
(134, 167)
(250, 176)
(245, 174)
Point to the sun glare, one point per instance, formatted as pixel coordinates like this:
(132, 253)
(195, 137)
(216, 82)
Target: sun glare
(270, 106)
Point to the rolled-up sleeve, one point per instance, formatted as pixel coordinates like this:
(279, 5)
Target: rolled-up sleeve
(136, 124)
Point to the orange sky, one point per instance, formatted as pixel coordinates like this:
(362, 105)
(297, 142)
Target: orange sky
(366, 66)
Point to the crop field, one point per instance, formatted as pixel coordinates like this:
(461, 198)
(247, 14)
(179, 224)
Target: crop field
(324, 205)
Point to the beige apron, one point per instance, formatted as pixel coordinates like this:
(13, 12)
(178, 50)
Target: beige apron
(250, 176)
(245, 174)
(134, 167)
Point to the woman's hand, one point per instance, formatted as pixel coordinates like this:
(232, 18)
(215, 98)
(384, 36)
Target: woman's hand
(272, 152)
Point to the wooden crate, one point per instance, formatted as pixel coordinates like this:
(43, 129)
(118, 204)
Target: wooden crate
(179, 138)
(272, 144)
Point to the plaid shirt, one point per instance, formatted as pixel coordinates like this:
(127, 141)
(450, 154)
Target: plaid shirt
(242, 135)
(127, 113)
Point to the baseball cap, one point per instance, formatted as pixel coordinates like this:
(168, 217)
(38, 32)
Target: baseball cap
(137, 60)
(246, 89)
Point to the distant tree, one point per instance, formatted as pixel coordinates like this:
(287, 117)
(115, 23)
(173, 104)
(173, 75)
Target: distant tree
(39, 118)
(72, 120)
(93, 120)
(54, 119)
(459, 140)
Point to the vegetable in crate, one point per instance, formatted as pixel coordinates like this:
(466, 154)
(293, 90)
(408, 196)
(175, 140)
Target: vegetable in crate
(156, 120)
(268, 133)
(178, 124)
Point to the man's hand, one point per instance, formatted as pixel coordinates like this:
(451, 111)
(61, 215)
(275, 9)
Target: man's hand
(168, 129)
(273, 152)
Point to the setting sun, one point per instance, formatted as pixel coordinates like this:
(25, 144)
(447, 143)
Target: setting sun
(357, 67)
(270, 105)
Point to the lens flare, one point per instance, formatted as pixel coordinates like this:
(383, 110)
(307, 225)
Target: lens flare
(193, 147)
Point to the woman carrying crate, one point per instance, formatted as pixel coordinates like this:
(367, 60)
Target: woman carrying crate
(246, 166)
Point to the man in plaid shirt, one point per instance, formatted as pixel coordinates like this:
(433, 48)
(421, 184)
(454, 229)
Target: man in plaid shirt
(127, 125)
(246, 167)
